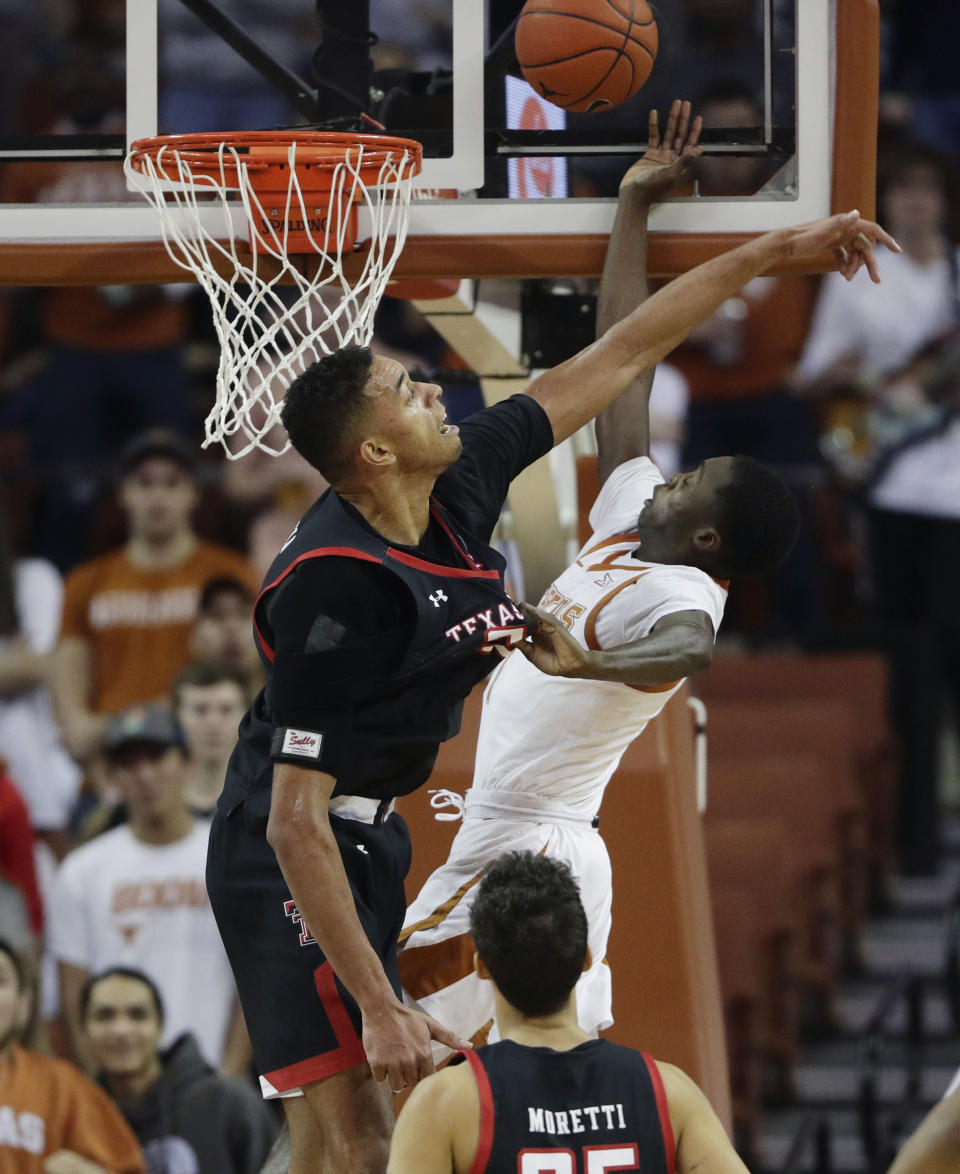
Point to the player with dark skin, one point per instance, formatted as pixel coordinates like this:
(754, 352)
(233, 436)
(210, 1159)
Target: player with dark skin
(391, 459)
(677, 526)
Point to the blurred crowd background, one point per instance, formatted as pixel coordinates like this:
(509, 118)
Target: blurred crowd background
(129, 561)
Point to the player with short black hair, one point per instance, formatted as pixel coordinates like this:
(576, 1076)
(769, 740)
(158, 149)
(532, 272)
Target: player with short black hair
(759, 520)
(324, 407)
(731, 517)
(549, 1089)
(529, 927)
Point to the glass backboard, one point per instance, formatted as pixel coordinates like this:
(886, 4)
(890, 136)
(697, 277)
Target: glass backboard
(512, 185)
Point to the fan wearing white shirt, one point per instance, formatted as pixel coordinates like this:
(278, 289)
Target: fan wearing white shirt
(136, 896)
(620, 629)
(913, 511)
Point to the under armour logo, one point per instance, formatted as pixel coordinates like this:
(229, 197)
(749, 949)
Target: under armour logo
(437, 597)
(363, 848)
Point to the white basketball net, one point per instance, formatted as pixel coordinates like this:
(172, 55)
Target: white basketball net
(273, 319)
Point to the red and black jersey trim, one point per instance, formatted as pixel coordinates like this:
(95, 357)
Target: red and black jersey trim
(485, 1092)
(319, 552)
(663, 1112)
(471, 569)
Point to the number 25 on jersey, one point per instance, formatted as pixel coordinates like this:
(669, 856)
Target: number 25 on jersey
(596, 1159)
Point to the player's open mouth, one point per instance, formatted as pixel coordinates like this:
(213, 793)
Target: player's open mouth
(446, 429)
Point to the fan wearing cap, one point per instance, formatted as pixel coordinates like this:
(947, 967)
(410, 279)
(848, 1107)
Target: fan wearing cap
(128, 616)
(135, 895)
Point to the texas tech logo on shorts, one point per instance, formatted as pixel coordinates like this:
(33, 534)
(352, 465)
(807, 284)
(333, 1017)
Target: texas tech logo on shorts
(290, 910)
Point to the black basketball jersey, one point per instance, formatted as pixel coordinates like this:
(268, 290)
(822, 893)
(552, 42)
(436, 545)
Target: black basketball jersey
(462, 612)
(596, 1108)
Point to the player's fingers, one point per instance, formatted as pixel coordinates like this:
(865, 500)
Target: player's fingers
(400, 1074)
(874, 234)
(869, 259)
(842, 258)
(850, 264)
(448, 1038)
(378, 1070)
(534, 615)
(671, 127)
(694, 136)
(683, 125)
(653, 131)
(422, 1067)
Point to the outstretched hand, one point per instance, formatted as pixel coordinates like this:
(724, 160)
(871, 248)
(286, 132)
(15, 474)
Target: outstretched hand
(847, 236)
(668, 161)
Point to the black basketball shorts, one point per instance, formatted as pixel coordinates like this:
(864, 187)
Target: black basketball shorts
(303, 1023)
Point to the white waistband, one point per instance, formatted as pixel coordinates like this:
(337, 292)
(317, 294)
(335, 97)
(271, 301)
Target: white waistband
(520, 805)
(360, 808)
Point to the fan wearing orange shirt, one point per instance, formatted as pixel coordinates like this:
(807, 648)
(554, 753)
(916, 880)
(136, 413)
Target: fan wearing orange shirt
(128, 616)
(52, 1119)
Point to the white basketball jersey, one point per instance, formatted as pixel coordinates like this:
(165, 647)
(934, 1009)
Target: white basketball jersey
(563, 738)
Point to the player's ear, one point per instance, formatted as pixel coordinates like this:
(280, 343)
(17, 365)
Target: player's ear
(588, 960)
(374, 454)
(480, 966)
(706, 539)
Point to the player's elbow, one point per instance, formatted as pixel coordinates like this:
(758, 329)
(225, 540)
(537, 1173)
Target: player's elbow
(697, 657)
(700, 659)
(290, 829)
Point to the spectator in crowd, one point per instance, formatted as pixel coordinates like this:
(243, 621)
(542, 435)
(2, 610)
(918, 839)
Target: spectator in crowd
(208, 701)
(31, 592)
(128, 616)
(136, 896)
(224, 629)
(846, 340)
(17, 864)
(55, 1121)
(186, 1117)
(905, 376)
(110, 359)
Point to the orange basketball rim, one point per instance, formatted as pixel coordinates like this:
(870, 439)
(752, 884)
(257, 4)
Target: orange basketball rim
(332, 170)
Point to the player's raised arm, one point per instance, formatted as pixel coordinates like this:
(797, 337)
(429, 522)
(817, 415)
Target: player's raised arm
(623, 429)
(576, 391)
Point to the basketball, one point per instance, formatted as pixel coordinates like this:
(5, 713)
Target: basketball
(586, 55)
